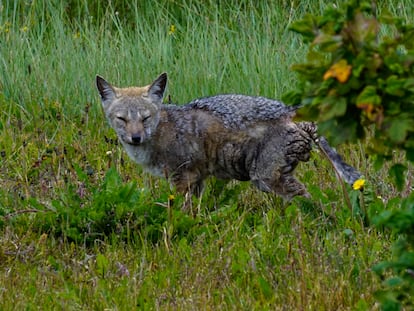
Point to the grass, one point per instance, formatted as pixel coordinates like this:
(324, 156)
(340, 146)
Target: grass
(245, 250)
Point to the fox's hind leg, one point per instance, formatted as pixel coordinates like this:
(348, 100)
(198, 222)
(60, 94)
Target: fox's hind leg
(272, 169)
(286, 185)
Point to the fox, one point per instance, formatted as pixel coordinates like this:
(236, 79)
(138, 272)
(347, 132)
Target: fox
(228, 136)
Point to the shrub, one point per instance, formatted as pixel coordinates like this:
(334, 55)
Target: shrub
(113, 208)
(358, 84)
(358, 79)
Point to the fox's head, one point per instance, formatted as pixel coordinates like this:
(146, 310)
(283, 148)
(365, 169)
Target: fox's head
(133, 112)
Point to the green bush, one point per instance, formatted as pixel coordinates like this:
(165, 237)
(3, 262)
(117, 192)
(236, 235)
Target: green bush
(113, 208)
(358, 79)
(398, 288)
(358, 84)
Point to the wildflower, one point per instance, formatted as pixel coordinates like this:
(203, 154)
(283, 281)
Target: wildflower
(6, 27)
(76, 35)
(24, 29)
(340, 70)
(172, 30)
(56, 105)
(171, 197)
(108, 153)
(359, 184)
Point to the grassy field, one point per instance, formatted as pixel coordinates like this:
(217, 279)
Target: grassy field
(82, 228)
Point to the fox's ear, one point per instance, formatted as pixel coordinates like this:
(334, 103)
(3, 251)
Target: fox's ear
(106, 90)
(157, 88)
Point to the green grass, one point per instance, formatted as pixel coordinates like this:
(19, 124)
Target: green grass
(245, 250)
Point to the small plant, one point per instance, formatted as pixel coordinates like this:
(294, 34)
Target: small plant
(114, 207)
(358, 84)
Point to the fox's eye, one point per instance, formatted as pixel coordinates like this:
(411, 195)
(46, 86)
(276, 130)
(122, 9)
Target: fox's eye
(145, 118)
(122, 119)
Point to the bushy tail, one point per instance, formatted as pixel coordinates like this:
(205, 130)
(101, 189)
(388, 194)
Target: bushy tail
(345, 171)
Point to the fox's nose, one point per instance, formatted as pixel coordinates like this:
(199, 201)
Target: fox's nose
(136, 138)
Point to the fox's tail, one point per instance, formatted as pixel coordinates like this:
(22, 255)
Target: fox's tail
(345, 171)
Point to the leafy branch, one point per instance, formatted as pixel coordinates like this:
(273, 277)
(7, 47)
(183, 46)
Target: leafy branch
(358, 84)
(358, 79)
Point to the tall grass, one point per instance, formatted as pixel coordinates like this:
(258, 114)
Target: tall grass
(245, 250)
(46, 55)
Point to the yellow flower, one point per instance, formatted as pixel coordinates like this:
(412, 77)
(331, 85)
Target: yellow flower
(171, 197)
(76, 35)
(340, 70)
(358, 184)
(24, 29)
(172, 30)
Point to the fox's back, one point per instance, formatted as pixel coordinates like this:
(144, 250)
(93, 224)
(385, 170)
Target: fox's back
(241, 111)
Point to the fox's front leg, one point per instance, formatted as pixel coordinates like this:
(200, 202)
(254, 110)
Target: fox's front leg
(189, 185)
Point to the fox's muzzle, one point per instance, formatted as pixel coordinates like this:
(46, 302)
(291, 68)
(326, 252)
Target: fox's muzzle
(136, 139)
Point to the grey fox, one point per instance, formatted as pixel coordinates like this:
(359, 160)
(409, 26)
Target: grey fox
(227, 136)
